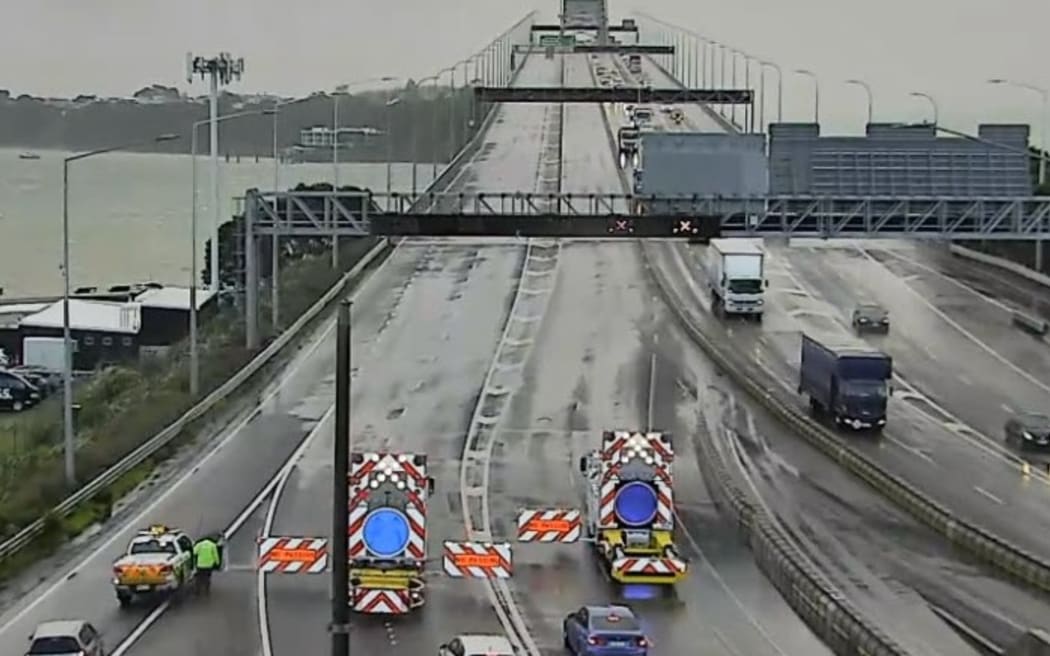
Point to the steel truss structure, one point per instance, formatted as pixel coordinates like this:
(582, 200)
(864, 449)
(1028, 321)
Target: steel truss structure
(640, 95)
(626, 48)
(364, 213)
(555, 28)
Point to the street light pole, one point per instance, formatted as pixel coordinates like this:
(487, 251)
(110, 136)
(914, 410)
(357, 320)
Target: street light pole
(933, 103)
(389, 147)
(816, 92)
(871, 98)
(69, 438)
(1044, 131)
(221, 69)
(780, 89)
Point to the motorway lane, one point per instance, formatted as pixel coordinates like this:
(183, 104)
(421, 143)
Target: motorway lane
(698, 118)
(508, 160)
(587, 166)
(873, 551)
(936, 361)
(220, 487)
(414, 388)
(590, 370)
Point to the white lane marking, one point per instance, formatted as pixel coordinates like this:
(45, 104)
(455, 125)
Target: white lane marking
(652, 391)
(262, 605)
(940, 274)
(912, 450)
(985, 493)
(963, 331)
(168, 491)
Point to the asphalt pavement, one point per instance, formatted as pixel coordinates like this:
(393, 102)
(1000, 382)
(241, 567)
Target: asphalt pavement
(208, 497)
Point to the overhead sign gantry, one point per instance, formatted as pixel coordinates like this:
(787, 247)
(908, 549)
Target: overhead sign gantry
(641, 95)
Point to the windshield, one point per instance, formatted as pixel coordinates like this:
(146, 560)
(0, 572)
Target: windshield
(151, 547)
(58, 645)
(865, 389)
(1036, 422)
(745, 286)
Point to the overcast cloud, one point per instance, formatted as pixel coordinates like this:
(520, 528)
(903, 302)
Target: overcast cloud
(947, 48)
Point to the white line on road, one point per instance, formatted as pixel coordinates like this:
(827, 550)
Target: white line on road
(996, 302)
(985, 493)
(169, 490)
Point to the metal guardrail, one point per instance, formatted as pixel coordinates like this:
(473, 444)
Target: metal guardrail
(981, 543)
(165, 437)
(25, 536)
(824, 610)
(1028, 323)
(830, 614)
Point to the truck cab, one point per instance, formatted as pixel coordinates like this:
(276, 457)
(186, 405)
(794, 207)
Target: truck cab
(849, 384)
(736, 277)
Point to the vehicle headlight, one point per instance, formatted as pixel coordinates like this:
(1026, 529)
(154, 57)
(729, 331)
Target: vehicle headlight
(1027, 435)
(759, 302)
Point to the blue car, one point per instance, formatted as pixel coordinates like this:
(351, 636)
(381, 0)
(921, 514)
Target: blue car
(604, 631)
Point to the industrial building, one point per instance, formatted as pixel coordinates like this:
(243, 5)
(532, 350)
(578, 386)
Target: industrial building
(899, 160)
(150, 318)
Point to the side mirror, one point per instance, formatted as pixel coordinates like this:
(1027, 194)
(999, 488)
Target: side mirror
(766, 282)
(583, 464)
(430, 485)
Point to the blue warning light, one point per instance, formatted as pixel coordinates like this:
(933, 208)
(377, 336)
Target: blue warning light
(386, 532)
(635, 504)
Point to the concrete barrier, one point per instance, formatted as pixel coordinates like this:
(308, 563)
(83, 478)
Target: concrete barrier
(992, 549)
(1028, 323)
(826, 611)
(1000, 263)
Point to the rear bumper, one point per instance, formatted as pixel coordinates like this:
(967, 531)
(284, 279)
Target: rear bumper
(144, 588)
(648, 570)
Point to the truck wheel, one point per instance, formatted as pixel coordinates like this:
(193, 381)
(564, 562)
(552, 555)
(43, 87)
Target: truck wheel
(124, 600)
(814, 408)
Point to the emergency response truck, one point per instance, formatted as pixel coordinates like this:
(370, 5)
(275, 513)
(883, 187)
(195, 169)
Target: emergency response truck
(158, 560)
(630, 507)
(387, 532)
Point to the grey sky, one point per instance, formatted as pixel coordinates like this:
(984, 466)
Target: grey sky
(945, 47)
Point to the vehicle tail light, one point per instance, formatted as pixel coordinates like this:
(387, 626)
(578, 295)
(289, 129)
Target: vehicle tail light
(165, 570)
(118, 571)
(596, 640)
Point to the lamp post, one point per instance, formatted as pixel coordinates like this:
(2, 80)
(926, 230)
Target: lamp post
(780, 89)
(732, 111)
(67, 338)
(871, 98)
(816, 92)
(1044, 132)
(275, 241)
(932, 101)
(389, 146)
(434, 143)
(194, 345)
(221, 69)
(415, 132)
(722, 74)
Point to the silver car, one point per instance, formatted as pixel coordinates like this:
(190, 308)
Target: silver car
(66, 638)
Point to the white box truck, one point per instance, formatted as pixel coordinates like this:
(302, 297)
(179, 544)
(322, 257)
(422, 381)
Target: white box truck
(736, 277)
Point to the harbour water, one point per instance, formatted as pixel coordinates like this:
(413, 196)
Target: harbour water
(129, 213)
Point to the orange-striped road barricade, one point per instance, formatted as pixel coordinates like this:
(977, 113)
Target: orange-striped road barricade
(478, 560)
(292, 555)
(549, 525)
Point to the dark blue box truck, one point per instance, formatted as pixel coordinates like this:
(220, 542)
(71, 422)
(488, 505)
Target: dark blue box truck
(851, 384)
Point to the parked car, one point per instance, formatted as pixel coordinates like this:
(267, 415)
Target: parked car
(50, 379)
(66, 637)
(871, 317)
(1028, 431)
(17, 393)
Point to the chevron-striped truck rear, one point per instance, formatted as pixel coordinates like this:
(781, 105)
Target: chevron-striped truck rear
(388, 531)
(630, 507)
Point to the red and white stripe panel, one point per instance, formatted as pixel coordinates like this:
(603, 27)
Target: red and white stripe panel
(286, 555)
(380, 602)
(639, 566)
(549, 525)
(478, 560)
(370, 473)
(620, 448)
